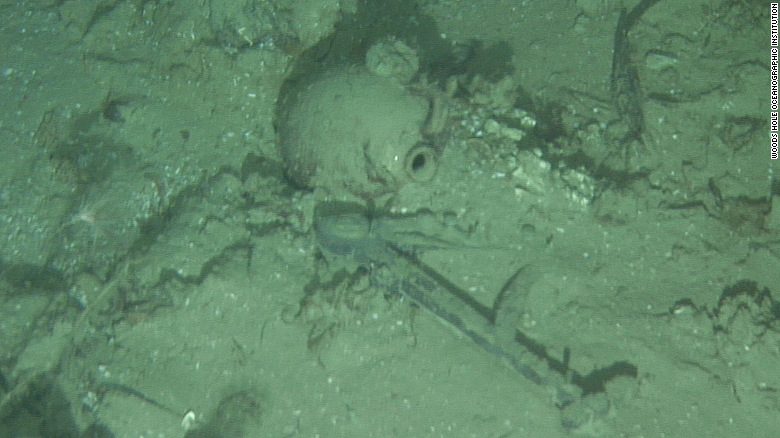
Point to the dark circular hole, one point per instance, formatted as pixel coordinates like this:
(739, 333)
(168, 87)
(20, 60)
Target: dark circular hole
(418, 162)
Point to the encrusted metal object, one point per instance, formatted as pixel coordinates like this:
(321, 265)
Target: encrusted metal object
(356, 134)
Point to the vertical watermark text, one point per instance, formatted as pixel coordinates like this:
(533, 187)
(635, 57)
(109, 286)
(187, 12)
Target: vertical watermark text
(774, 133)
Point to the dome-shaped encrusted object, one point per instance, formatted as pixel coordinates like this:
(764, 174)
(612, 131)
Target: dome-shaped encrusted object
(354, 133)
